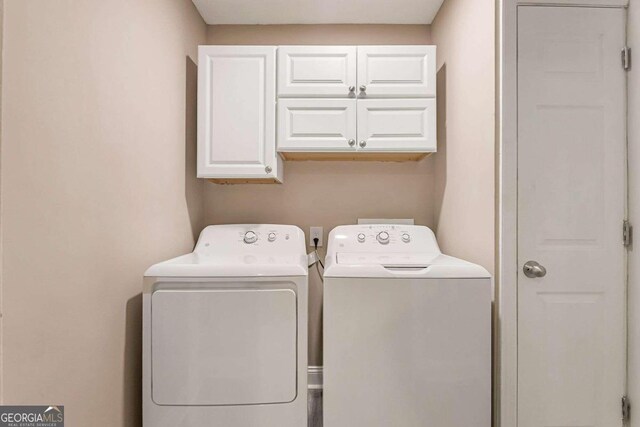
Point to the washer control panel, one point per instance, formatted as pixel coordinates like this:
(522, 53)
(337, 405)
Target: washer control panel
(382, 238)
(384, 235)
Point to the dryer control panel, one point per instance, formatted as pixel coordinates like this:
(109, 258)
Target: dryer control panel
(265, 239)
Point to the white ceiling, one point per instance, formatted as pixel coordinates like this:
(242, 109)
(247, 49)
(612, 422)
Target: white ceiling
(217, 12)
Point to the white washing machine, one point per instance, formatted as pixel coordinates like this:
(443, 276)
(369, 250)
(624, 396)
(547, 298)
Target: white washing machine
(225, 331)
(407, 332)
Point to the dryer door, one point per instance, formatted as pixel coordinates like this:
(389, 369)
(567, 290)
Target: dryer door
(223, 346)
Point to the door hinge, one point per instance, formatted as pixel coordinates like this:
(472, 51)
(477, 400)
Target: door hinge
(626, 58)
(626, 409)
(627, 233)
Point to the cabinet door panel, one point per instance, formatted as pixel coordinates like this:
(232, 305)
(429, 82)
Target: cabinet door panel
(236, 112)
(316, 71)
(397, 125)
(397, 71)
(316, 124)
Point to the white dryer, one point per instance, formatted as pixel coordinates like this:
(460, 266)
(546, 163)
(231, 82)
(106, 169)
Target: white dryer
(407, 331)
(225, 331)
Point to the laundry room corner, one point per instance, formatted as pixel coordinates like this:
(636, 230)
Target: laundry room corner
(464, 31)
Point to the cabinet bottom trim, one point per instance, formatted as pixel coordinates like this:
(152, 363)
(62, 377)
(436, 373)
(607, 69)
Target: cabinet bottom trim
(244, 181)
(350, 156)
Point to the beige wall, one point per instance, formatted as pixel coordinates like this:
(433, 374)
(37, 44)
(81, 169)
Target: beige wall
(464, 31)
(325, 193)
(98, 182)
(1, 206)
(339, 34)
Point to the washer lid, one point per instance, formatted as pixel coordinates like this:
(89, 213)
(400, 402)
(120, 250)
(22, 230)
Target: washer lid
(418, 266)
(414, 260)
(246, 250)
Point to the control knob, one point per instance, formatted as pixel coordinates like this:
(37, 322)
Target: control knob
(383, 237)
(250, 237)
(361, 237)
(406, 237)
(271, 237)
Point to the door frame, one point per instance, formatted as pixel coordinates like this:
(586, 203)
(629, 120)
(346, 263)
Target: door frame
(506, 363)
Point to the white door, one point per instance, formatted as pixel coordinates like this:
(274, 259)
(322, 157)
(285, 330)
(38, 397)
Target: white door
(316, 125)
(317, 71)
(571, 205)
(237, 112)
(401, 125)
(397, 71)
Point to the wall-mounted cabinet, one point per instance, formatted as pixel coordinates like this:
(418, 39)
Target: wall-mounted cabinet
(237, 114)
(330, 102)
(389, 106)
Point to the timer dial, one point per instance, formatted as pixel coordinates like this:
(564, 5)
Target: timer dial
(383, 237)
(250, 237)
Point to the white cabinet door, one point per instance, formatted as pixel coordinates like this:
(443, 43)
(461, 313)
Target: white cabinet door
(236, 113)
(317, 71)
(397, 71)
(316, 125)
(397, 125)
(571, 204)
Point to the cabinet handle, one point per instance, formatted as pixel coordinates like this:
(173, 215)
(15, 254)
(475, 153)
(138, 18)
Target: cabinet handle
(352, 142)
(363, 88)
(352, 88)
(267, 169)
(363, 144)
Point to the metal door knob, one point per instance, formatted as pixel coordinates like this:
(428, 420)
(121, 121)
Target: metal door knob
(352, 88)
(363, 144)
(352, 142)
(363, 88)
(533, 269)
(268, 169)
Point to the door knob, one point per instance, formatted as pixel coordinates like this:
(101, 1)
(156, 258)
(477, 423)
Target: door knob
(352, 88)
(533, 269)
(363, 144)
(363, 88)
(352, 142)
